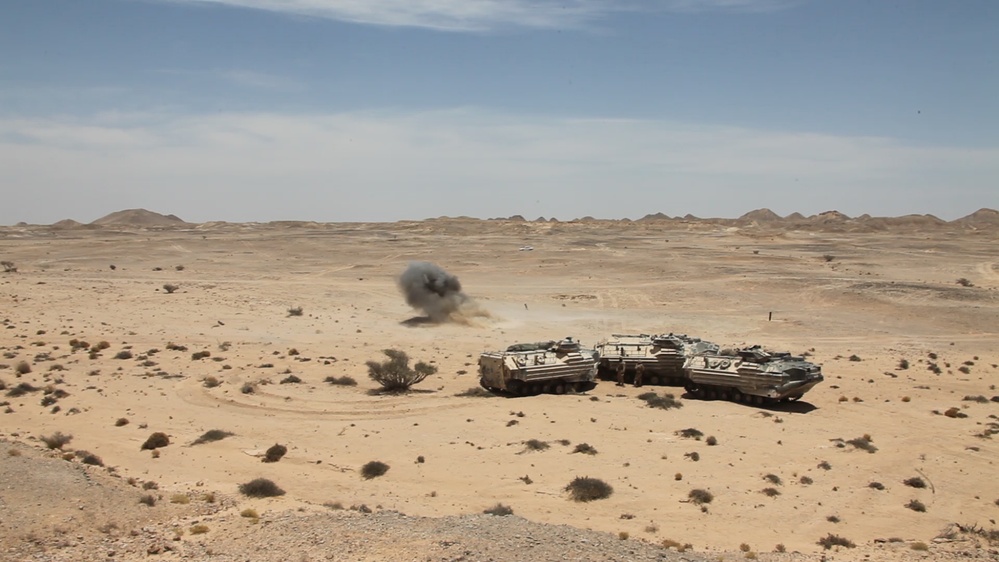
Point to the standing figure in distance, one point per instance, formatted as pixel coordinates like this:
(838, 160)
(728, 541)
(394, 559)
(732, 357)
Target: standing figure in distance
(620, 372)
(639, 373)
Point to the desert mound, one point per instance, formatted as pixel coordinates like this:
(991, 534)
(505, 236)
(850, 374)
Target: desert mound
(760, 215)
(67, 224)
(138, 218)
(981, 218)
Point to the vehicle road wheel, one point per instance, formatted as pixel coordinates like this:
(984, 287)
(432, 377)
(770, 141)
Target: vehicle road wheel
(559, 388)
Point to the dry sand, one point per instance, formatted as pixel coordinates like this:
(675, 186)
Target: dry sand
(885, 294)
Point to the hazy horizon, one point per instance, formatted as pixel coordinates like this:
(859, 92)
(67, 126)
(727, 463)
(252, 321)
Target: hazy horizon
(339, 111)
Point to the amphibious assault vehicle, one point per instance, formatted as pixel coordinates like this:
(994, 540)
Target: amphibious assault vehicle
(663, 356)
(751, 375)
(543, 367)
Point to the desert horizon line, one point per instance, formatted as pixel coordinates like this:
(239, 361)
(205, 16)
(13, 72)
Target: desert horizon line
(142, 216)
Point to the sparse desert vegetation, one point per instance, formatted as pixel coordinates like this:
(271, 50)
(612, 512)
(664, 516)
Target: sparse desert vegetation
(155, 441)
(395, 374)
(260, 488)
(499, 509)
(57, 440)
(700, 496)
(373, 469)
(586, 489)
(275, 453)
(831, 540)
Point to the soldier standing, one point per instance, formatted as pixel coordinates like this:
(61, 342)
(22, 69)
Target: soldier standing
(620, 372)
(639, 373)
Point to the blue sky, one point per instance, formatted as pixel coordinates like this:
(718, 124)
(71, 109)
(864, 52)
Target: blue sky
(358, 110)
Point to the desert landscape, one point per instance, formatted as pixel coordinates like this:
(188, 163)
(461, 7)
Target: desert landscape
(228, 339)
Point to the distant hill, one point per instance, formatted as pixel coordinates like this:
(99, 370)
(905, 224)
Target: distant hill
(980, 218)
(654, 217)
(760, 215)
(138, 217)
(67, 224)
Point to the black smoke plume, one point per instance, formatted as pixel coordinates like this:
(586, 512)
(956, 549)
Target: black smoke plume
(435, 292)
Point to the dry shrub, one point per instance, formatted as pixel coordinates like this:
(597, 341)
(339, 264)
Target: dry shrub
(181, 499)
(916, 505)
(148, 500)
(914, 482)
(249, 513)
(155, 441)
(586, 489)
(535, 445)
(395, 374)
(56, 440)
(260, 488)
(274, 453)
(690, 433)
(169, 288)
(770, 492)
(863, 443)
(22, 368)
(832, 540)
(585, 448)
(499, 509)
(700, 497)
(210, 381)
(374, 469)
(199, 529)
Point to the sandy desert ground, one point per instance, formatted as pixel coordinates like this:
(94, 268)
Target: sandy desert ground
(858, 299)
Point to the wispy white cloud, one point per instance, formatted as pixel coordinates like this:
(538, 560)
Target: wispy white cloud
(381, 166)
(483, 15)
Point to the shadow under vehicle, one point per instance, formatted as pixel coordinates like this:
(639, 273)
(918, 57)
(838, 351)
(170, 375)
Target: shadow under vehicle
(553, 367)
